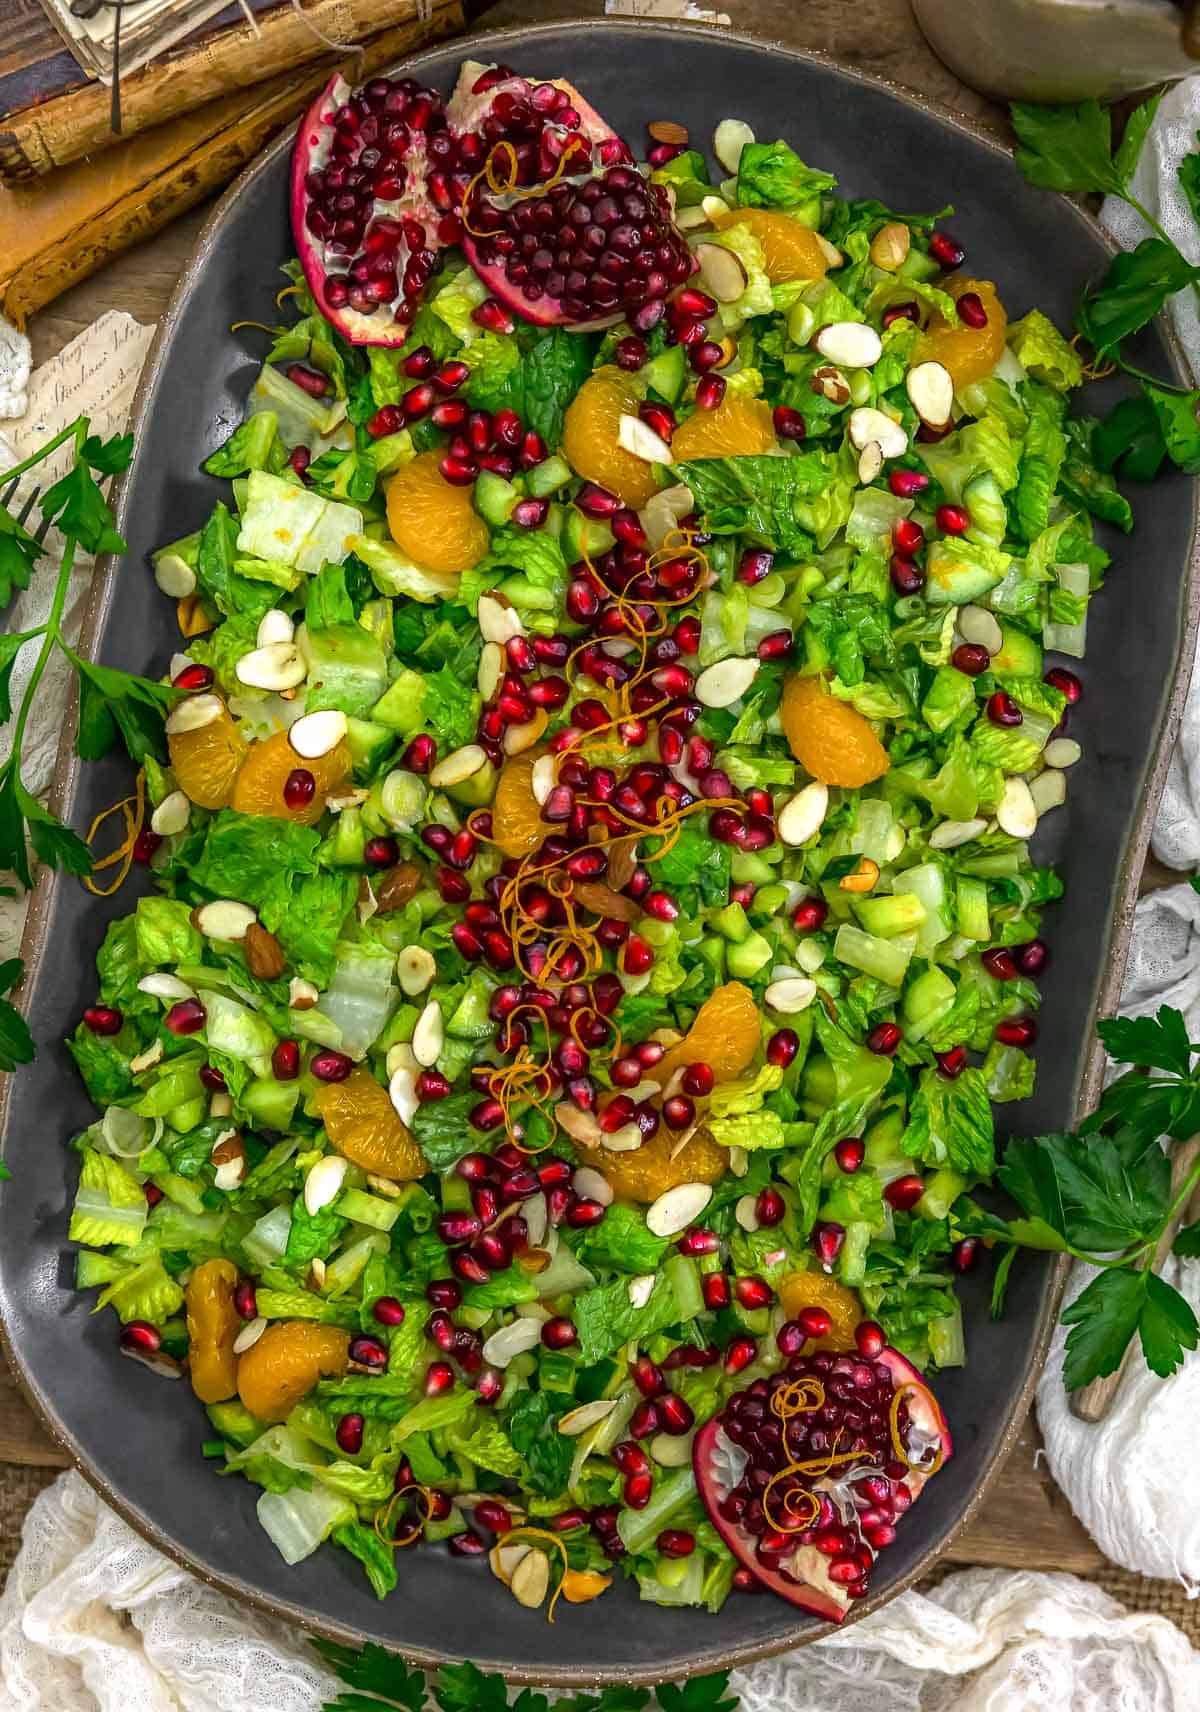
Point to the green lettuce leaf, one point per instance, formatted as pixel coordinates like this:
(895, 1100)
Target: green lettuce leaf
(1043, 353)
(772, 175)
(950, 1123)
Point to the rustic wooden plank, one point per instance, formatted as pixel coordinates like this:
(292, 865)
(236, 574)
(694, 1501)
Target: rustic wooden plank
(22, 1437)
(1025, 1522)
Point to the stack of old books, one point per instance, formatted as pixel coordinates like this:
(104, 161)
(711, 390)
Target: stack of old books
(73, 192)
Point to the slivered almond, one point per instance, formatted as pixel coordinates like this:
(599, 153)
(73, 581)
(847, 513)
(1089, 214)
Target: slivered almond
(171, 815)
(721, 272)
(193, 714)
(667, 131)
(316, 734)
(224, 918)
(675, 1210)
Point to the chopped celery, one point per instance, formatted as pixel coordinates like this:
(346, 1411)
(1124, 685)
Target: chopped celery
(886, 959)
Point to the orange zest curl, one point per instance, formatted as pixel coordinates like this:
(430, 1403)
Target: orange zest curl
(509, 185)
(912, 1388)
(801, 1397)
(134, 810)
(384, 1517)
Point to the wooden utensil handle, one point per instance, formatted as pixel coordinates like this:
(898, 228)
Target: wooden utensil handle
(1093, 1401)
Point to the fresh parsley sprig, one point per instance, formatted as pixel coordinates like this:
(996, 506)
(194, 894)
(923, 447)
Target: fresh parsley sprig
(1104, 1195)
(1070, 149)
(112, 702)
(380, 1682)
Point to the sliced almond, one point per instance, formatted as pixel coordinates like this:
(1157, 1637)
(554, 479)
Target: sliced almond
(229, 1158)
(1017, 813)
(1061, 752)
(400, 1057)
(429, 1035)
(324, 1183)
(499, 620)
(512, 1340)
(543, 778)
(890, 246)
(537, 1220)
(577, 1421)
(384, 1186)
(829, 382)
(193, 714)
(174, 576)
(315, 1280)
(518, 738)
(346, 799)
(274, 626)
(832, 254)
(224, 919)
(504, 1559)
(249, 1335)
(627, 1139)
(729, 139)
(867, 424)
(592, 1185)
(1048, 790)
(739, 1161)
(951, 833)
(930, 388)
(675, 1210)
(976, 624)
(722, 274)
(402, 1092)
(275, 667)
(792, 994)
(167, 987)
(263, 953)
(148, 1059)
(580, 1126)
(490, 670)
(663, 511)
(726, 682)
(870, 462)
(302, 995)
(641, 1289)
(690, 219)
(316, 734)
(851, 343)
(171, 815)
(458, 766)
(640, 440)
(415, 969)
(667, 131)
(745, 1211)
(220, 1105)
(531, 1580)
(803, 815)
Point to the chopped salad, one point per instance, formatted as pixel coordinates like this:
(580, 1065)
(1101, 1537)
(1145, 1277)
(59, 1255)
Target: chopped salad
(593, 915)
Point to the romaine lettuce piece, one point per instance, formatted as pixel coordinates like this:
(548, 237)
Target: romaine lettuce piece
(110, 1203)
(284, 521)
(1043, 352)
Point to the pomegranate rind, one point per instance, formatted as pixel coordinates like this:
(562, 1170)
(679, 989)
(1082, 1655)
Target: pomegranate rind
(717, 1463)
(309, 152)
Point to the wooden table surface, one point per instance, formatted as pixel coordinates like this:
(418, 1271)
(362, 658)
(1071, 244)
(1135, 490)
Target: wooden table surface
(1025, 1522)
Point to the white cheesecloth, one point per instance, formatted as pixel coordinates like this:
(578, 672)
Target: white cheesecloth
(95, 1620)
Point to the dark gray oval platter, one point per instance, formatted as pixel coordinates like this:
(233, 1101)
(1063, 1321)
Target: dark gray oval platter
(136, 1438)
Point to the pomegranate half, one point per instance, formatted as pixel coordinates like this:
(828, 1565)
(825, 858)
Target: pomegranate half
(843, 1403)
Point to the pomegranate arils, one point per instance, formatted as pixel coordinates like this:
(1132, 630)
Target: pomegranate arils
(187, 1016)
(884, 1038)
(971, 658)
(907, 577)
(1065, 682)
(953, 519)
(103, 1019)
(952, 1064)
(753, 1292)
(285, 1061)
(330, 1066)
(815, 1322)
(1032, 956)
(789, 423)
(1002, 709)
(945, 250)
(906, 484)
(908, 537)
(349, 1434)
(999, 963)
(299, 788)
(710, 391)
(827, 1240)
(903, 1193)
(1017, 1031)
(630, 353)
(849, 1154)
(971, 310)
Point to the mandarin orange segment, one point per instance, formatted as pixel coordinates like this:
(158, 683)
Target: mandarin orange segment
(589, 437)
(266, 769)
(817, 1290)
(830, 738)
(724, 1035)
(790, 250)
(739, 427)
(212, 1325)
(970, 353)
(286, 1362)
(517, 823)
(431, 521)
(649, 1171)
(364, 1127)
(206, 761)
